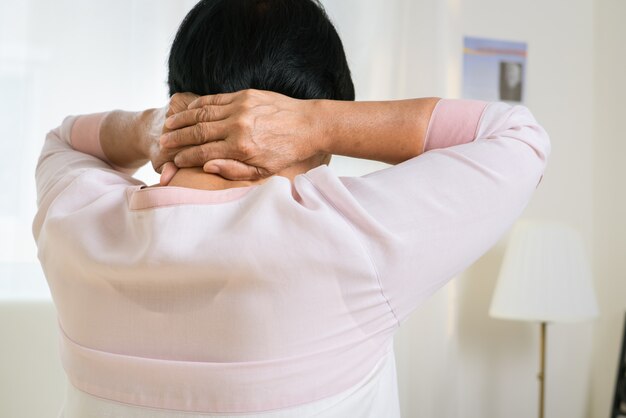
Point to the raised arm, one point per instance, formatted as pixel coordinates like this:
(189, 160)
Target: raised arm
(388, 131)
(429, 218)
(128, 140)
(120, 138)
(269, 131)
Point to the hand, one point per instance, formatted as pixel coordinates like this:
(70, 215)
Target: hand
(245, 135)
(162, 158)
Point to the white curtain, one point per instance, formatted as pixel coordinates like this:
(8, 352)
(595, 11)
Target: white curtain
(67, 57)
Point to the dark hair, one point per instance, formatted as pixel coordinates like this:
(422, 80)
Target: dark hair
(286, 46)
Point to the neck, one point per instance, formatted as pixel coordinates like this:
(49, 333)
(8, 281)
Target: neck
(196, 178)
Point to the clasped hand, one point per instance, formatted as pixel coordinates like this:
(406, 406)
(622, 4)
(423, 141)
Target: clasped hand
(247, 135)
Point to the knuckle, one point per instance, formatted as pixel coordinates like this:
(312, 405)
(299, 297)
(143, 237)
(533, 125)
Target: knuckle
(202, 115)
(250, 92)
(244, 148)
(239, 124)
(201, 102)
(247, 103)
(219, 98)
(201, 154)
(242, 123)
(181, 159)
(199, 132)
(189, 97)
(175, 138)
(176, 98)
(247, 99)
(211, 113)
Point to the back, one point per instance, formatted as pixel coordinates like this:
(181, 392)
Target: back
(273, 296)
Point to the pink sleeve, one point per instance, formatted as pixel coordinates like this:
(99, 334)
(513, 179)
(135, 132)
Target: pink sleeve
(67, 152)
(453, 122)
(426, 220)
(85, 135)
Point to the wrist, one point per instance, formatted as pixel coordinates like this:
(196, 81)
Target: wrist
(123, 139)
(321, 118)
(148, 129)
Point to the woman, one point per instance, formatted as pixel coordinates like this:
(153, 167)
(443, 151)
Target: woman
(264, 285)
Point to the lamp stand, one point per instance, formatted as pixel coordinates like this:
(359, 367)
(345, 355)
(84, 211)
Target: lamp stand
(542, 371)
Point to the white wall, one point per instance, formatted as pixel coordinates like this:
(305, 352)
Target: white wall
(453, 360)
(499, 359)
(609, 198)
(32, 381)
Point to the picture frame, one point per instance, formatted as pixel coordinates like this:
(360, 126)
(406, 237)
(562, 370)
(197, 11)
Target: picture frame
(494, 69)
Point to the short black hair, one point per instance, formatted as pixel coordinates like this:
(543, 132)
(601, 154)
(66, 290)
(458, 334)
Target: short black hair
(286, 46)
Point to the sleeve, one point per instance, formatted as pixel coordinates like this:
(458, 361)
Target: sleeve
(425, 220)
(69, 151)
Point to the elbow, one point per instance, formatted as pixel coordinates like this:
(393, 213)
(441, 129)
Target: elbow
(527, 130)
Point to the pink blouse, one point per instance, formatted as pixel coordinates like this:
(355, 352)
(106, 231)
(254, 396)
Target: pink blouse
(275, 296)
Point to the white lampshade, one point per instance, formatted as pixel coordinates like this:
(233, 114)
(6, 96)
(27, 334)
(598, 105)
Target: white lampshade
(544, 276)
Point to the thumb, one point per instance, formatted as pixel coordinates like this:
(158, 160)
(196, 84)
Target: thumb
(168, 170)
(232, 170)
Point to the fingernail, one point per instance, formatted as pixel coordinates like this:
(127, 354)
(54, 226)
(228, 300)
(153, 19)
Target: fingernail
(164, 139)
(169, 122)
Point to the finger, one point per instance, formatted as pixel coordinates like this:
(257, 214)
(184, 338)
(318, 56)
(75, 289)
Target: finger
(233, 170)
(180, 101)
(197, 156)
(194, 116)
(168, 171)
(214, 100)
(194, 135)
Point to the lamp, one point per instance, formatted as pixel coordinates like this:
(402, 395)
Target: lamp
(544, 277)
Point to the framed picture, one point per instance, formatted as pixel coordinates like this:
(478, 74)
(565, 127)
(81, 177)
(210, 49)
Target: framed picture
(619, 399)
(494, 69)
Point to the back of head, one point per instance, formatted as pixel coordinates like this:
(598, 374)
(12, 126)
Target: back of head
(285, 46)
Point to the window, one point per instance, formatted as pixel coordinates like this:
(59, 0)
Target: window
(62, 58)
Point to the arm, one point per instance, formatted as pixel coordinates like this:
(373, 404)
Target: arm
(123, 139)
(119, 140)
(391, 132)
(252, 134)
(111, 144)
(395, 131)
(429, 218)
(70, 151)
(60, 164)
(127, 138)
